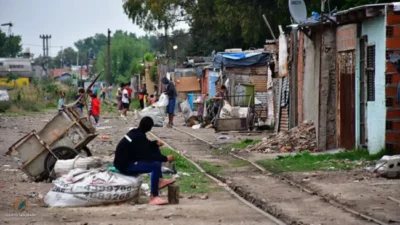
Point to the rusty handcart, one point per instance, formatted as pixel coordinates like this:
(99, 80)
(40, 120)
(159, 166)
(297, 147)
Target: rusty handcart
(63, 137)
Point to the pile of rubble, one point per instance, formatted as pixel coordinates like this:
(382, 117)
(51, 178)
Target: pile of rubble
(300, 138)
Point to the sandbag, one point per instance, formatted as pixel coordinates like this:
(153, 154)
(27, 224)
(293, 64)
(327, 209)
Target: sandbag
(62, 167)
(92, 187)
(158, 114)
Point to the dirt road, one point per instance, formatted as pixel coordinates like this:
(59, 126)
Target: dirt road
(219, 208)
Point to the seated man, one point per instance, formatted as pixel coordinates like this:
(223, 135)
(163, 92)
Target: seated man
(135, 154)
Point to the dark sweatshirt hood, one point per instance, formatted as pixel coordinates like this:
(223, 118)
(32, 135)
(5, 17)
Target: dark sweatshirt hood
(165, 80)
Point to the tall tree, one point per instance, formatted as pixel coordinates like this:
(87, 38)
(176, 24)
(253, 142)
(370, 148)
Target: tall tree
(94, 43)
(127, 53)
(152, 15)
(10, 46)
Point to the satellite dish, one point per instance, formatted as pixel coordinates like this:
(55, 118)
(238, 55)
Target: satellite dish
(298, 10)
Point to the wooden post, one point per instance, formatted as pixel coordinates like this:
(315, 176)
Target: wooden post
(173, 194)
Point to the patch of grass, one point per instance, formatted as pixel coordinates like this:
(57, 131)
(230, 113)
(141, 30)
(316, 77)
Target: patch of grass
(197, 182)
(302, 162)
(214, 170)
(238, 163)
(245, 143)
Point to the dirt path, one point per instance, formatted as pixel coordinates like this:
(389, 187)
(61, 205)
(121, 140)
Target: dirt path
(284, 201)
(219, 208)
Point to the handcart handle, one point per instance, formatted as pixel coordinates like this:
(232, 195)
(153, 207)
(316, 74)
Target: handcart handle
(10, 149)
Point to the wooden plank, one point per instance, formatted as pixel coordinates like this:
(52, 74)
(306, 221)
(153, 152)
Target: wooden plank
(392, 136)
(173, 194)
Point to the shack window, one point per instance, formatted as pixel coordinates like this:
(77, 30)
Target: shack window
(371, 73)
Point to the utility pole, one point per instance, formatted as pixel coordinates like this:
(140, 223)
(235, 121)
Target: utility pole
(45, 48)
(109, 56)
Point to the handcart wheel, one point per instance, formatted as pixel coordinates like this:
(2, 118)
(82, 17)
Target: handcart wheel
(62, 152)
(86, 151)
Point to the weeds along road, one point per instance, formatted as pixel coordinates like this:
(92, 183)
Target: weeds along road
(274, 196)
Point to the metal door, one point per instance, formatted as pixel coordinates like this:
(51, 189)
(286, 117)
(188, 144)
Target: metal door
(347, 99)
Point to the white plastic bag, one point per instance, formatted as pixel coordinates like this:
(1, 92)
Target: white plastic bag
(156, 113)
(186, 110)
(92, 187)
(62, 167)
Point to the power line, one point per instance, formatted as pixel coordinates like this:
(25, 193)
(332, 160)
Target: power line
(51, 46)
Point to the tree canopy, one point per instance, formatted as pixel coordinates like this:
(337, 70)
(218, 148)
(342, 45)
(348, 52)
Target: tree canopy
(10, 46)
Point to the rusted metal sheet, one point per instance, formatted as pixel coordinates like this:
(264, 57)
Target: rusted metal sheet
(204, 82)
(257, 70)
(187, 84)
(346, 37)
(347, 99)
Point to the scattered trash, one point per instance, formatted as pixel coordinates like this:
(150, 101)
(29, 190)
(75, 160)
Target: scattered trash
(196, 127)
(11, 170)
(104, 137)
(184, 174)
(300, 138)
(223, 138)
(106, 121)
(204, 197)
(104, 127)
(222, 184)
(7, 166)
(193, 185)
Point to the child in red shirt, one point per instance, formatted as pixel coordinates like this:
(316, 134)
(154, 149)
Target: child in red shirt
(95, 109)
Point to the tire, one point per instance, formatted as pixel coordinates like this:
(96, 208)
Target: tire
(62, 152)
(86, 151)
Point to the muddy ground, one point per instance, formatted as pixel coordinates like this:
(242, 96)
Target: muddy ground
(219, 208)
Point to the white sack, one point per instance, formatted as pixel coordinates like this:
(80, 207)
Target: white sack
(388, 166)
(162, 102)
(158, 114)
(283, 54)
(62, 167)
(226, 111)
(92, 187)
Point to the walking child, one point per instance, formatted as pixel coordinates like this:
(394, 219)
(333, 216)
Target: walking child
(81, 103)
(94, 107)
(61, 101)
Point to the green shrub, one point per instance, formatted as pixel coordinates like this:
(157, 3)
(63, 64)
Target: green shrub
(4, 106)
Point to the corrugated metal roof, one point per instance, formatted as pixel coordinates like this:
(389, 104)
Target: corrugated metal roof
(362, 7)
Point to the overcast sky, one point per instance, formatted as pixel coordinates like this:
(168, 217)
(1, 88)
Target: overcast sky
(66, 20)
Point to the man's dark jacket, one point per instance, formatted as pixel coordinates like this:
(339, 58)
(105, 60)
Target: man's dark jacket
(135, 147)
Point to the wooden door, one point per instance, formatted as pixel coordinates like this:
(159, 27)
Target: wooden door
(347, 99)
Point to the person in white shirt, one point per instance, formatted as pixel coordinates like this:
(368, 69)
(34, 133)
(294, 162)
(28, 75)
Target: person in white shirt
(125, 101)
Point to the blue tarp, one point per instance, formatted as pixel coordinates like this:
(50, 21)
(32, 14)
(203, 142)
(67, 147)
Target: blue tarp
(240, 59)
(190, 100)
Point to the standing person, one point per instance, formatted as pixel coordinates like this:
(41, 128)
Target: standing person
(172, 94)
(103, 92)
(152, 99)
(135, 154)
(61, 101)
(129, 89)
(125, 102)
(200, 108)
(142, 93)
(95, 90)
(219, 98)
(109, 91)
(119, 96)
(81, 103)
(95, 108)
